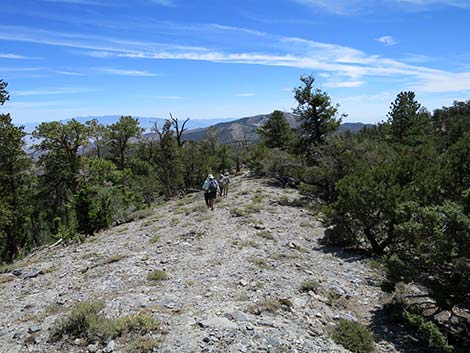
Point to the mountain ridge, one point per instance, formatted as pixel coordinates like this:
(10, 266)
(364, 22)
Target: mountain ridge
(249, 276)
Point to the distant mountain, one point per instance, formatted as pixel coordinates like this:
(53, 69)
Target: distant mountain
(353, 127)
(229, 129)
(244, 129)
(146, 122)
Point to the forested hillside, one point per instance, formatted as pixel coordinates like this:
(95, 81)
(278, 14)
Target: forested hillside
(397, 193)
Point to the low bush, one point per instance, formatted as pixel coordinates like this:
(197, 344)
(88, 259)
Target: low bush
(143, 344)
(265, 234)
(308, 286)
(86, 322)
(157, 275)
(427, 331)
(353, 336)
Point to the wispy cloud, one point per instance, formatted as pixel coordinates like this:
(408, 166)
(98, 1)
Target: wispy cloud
(387, 40)
(53, 91)
(83, 2)
(14, 56)
(125, 72)
(417, 58)
(465, 4)
(167, 3)
(19, 69)
(345, 66)
(247, 94)
(168, 97)
(339, 7)
(352, 7)
(344, 84)
(71, 73)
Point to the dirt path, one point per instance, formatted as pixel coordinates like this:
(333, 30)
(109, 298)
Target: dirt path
(235, 278)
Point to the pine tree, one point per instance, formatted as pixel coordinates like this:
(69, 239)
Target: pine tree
(276, 131)
(15, 205)
(119, 136)
(317, 115)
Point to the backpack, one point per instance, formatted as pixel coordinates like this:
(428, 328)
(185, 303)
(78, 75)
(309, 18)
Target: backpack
(212, 186)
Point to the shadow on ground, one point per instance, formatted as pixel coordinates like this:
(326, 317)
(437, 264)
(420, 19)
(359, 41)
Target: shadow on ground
(348, 255)
(385, 329)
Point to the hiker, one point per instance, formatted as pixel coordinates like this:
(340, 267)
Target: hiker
(211, 187)
(224, 183)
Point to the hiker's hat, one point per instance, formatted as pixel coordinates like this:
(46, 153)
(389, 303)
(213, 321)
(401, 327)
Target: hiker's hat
(210, 176)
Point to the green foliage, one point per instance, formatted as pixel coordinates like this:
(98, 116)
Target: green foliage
(407, 122)
(428, 332)
(118, 136)
(451, 123)
(143, 344)
(367, 205)
(15, 190)
(93, 209)
(84, 322)
(256, 159)
(354, 337)
(4, 96)
(317, 115)
(286, 168)
(167, 157)
(276, 131)
(338, 157)
(440, 250)
(137, 323)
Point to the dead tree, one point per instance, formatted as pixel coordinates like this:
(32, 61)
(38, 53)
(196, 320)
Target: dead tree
(179, 131)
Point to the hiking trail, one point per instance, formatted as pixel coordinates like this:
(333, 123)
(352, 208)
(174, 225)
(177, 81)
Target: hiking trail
(234, 279)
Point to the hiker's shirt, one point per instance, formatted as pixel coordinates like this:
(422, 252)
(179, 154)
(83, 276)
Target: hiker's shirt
(205, 186)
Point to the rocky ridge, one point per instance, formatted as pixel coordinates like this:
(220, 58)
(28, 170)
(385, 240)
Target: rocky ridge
(250, 276)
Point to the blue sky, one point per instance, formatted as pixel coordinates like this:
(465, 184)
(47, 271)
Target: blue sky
(221, 58)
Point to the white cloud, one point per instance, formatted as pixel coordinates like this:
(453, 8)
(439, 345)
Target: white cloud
(124, 72)
(465, 4)
(167, 3)
(344, 66)
(14, 56)
(70, 73)
(52, 91)
(168, 97)
(248, 94)
(19, 69)
(387, 40)
(352, 7)
(339, 7)
(344, 84)
(82, 2)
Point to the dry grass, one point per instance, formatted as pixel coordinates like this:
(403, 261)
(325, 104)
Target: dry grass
(157, 276)
(112, 259)
(260, 262)
(269, 306)
(265, 234)
(154, 239)
(6, 278)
